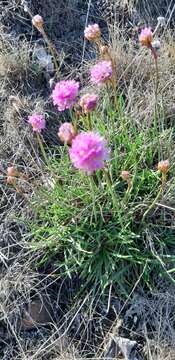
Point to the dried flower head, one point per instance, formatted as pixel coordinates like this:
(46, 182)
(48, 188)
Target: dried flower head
(161, 20)
(125, 175)
(65, 93)
(43, 59)
(156, 45)
(101, 72)
(104, 49)
(163, 166)
(11, 180)
(66, 133)
(146, 37)
(12, 171)
(89, 152)
(38, 22)
(37, 122)
(92, 32)
(12, 174)
(88, 102)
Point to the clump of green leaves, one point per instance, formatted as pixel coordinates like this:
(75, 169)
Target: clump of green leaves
(93, 226)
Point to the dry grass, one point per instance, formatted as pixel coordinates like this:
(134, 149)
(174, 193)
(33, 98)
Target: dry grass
(137, 75)
(139, 10)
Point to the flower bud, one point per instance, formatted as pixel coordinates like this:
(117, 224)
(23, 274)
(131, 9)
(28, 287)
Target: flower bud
(92, 32)
(146, 37)
(66, 133)
(125, 175)
(38, 22)
(12, 173)
(163, 166)
(88, 102)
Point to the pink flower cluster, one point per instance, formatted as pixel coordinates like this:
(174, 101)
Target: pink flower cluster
(92, 32)
(37, 122)
(65, 93)
(101, 72)
(89, 151)
(88, 102)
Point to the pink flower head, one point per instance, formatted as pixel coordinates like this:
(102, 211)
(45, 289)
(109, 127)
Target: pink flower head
(37, 121)
(101, 72)
(163, 166)
(64, 94)
(38, 22)
(146, 37)
(92, 32)
(88, 102)
(89, 151)
(66, 133)
(125, 175)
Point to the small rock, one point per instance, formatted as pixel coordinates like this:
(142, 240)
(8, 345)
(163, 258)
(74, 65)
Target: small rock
(38, 313)
(122, 346)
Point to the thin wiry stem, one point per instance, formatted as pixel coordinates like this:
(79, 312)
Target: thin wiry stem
(115, 200)
(152, 204)
(53, 53)
(41, 147)
(154, 53)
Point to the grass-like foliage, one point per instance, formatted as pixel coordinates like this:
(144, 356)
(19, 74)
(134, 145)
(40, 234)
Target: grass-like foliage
(107, 228)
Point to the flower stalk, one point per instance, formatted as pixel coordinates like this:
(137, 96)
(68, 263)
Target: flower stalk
(38, 23)
(125, 175)
(155, 57)
(115, 200)
(41, 147)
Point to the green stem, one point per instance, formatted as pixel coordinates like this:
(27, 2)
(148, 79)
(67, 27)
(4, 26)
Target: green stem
(128, 191)
(152, 205)
(156, 81)
(86, 120)
(93, 196)
(89, 122)
(115, 200)
(42, 147)
(156, 110)
(164, 179)
(74, 119)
